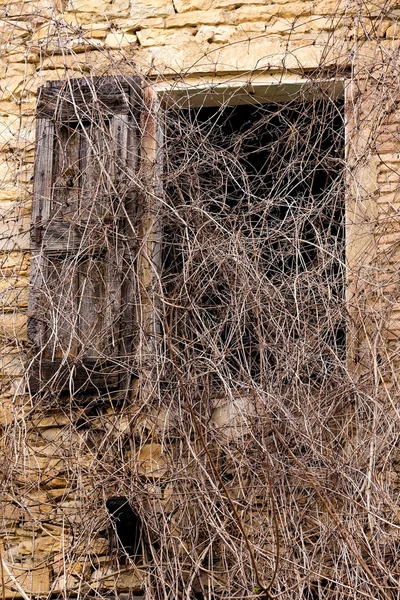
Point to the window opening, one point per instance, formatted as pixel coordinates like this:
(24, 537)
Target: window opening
(253, 263)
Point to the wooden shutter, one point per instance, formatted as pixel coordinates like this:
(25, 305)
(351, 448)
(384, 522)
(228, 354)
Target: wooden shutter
(83, 240)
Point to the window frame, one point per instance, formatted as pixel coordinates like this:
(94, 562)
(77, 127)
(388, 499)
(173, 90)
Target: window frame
(198, 93)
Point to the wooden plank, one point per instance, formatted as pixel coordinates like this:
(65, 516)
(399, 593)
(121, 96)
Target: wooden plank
(66, 173)
(125, 141)
(87, 99)
(96, 181)
(60, 304)
(74, 375)
(150, 236)
(94, 325)
(63, 237)
(125, 151)
(42, 190)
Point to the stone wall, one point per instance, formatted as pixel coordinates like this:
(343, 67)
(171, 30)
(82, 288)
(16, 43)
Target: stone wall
(62, 459)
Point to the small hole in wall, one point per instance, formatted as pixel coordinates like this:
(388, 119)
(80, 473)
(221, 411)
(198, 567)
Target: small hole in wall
(126, 529)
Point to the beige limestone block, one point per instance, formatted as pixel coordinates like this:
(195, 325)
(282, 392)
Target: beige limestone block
(117, 39)
(158, 37)
(26, 57)
(13, 294)
(151, 461)
(10, 191)
(71, 512)
(14, 226)
(142, 9)
(17, 85)
(339, 7)
(198, 17)
(9, 512)
(94, 546)
(393, 31)
(219, 34)
(133, 25)
(6, 417)
(118, 8)
(14, 263)
(65, 583)
(16, 132)
(232, 418)
(24, 548)
(266, 11)
(252, 26)
(96, 30)
(32, 10)
(37, 507)
(301, 25)
(129, 580)
(255, 54)
(23, 105)
(54, 420)
(93, 62)
(46, 544)
(13, 69)
(75, 45)
(225, 34)
(187, 5)
(13, 326)
(14, 30)
(31, 579)
(12, 362)
(85, 9)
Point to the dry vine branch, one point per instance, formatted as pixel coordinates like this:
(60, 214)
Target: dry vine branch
(256, 431)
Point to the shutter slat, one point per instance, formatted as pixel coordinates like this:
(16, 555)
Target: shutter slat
(77, 375)
(60, 299)
(66, 188)
(63, 236)
(40, 211)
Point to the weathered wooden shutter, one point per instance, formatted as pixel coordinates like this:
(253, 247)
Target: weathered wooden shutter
(83, 240)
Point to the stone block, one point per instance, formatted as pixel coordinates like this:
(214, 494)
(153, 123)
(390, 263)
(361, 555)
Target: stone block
(220, 34)
(15, 222)
(13, 294)
(264, 12)
(45, 544)
(232, 418)
(159, 37)
(117, 39)
(97, 31)
(12, 363)
(142, 9)
(255, 54)
(10, 513)
(71, 512)
(16, 132)
(198, 17)
(27, 579)
(14, 263)
(13, 326)
(84, 9)
(393, 31)
(151, 461)
(66, 583)
(188, 5)
(131, 580)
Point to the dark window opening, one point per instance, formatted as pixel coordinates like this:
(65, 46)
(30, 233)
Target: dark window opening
(258, 191)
